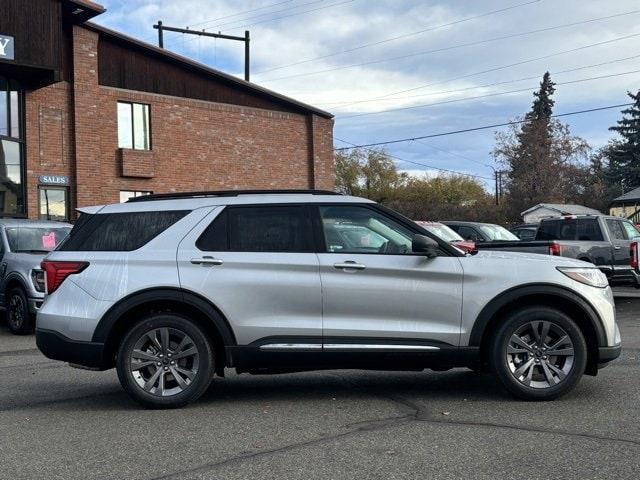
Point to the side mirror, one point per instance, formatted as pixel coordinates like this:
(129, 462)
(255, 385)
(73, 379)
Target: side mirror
(426, 245)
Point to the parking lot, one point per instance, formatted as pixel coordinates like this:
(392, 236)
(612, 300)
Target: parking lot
(58, 422)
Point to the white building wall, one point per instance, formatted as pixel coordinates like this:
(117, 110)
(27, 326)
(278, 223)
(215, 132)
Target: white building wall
(539, 213)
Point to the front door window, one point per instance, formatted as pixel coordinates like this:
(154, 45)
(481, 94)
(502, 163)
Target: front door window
(363, 230)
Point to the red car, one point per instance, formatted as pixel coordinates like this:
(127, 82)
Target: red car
(448, 235)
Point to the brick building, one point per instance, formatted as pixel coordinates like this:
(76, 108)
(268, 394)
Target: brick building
(91, 116)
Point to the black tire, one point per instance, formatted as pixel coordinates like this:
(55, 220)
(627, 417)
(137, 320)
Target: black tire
(202, 362)
(504, 363)
(19, 320)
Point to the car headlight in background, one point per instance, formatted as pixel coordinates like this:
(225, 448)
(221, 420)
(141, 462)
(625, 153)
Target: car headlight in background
(37, 278)
(589, 276)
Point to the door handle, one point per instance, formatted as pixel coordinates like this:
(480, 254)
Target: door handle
(206, 261)
(349, 265)
(617, 247)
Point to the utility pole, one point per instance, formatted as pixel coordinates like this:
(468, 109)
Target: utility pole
(246, 39)
(499, 189)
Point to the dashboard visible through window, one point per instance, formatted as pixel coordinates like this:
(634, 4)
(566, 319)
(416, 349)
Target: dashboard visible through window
(353, 229)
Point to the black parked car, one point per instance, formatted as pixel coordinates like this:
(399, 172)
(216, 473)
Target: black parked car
(525, 231)
(481, 232)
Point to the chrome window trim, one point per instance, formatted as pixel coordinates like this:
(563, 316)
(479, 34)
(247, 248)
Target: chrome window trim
(291, 346)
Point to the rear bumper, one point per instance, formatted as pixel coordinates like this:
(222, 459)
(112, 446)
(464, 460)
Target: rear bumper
(608, 354)
(58, 347)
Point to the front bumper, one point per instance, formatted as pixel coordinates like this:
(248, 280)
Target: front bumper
(58, 347)
(35, 304)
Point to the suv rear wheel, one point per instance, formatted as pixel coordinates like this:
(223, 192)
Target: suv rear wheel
(539, 353)
(166, 361)
(19, 320)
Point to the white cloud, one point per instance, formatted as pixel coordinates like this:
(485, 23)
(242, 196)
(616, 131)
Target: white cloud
(345, 26)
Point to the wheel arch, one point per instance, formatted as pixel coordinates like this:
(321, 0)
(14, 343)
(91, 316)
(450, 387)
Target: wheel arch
(120, 317)
(560, 298)
(13, 280)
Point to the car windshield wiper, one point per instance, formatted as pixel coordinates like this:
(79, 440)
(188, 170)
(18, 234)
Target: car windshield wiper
(31, 251)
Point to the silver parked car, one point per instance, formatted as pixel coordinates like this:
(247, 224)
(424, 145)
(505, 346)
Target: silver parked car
(23, 245)
(172, 289)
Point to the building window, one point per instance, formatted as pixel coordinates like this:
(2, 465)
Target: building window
(54, 203)
(127, 194)
(133, 126)
(11, 148)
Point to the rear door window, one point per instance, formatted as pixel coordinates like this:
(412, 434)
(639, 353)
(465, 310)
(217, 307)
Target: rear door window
(259, 229)
(119, 232)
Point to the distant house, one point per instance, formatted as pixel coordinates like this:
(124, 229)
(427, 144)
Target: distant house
(626, 205)
(544, 210)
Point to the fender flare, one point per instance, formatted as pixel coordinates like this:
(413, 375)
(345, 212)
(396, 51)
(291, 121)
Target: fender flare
(110, 318)
(554, 291)
(15, 277)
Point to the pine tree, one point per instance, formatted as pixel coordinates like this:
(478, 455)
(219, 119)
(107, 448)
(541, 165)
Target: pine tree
(540, 156)
(542, 108)
(624, 155)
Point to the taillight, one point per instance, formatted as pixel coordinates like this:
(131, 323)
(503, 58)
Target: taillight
(633, 252)
(56, 272)
(554, 249)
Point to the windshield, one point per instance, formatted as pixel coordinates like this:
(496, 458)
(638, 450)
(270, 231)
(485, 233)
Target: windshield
(496, 232)
(35, 239)
(442, 231)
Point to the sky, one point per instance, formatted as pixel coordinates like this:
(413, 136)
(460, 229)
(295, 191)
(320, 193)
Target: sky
(394, 69)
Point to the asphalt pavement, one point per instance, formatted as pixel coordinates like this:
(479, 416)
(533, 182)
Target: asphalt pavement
(60, 423)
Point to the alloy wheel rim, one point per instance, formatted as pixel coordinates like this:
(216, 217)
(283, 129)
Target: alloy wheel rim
(16, 311)
(164, 362)
(540, 354)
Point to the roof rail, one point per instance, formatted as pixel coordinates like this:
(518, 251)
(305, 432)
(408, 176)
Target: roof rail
(225, 193)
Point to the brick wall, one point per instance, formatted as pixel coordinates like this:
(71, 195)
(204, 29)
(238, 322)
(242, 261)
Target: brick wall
(196, 145)
(49, 137)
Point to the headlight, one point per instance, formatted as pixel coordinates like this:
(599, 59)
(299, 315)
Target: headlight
(589, 276)
(37, 278)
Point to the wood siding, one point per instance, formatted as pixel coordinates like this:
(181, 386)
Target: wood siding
(132, 68)
(36, 26)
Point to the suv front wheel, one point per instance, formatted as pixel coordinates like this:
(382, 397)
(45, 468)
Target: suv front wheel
(166, 361)
(539, 353)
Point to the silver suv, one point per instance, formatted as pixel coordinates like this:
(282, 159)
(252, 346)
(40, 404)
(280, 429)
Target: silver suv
(172, 289)
(23, 245)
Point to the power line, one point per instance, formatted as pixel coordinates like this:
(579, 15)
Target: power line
(477, 87)
(205, 22)
(474, 129)
(429, 29)
(408, 161)
(451, 47)
(281, 17)
(496, 94)
(252, 18)
(448, 152)
(501, 67)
